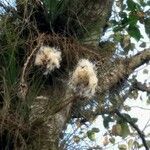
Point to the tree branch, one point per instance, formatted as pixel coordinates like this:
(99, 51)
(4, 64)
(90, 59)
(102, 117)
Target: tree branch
(138, 60)
(140, 86)
(122, 69)
(141, 134)
(23, 88)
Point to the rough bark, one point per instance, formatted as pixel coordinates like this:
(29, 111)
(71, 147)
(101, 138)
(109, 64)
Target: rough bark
(93, 35)
(122, 69)
(51, 125)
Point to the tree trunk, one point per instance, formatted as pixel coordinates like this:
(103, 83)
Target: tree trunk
(50, 121)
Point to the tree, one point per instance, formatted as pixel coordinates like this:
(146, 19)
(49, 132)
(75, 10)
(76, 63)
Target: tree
(37, 105)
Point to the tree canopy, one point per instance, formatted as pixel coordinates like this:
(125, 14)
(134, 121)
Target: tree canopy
(65, 63)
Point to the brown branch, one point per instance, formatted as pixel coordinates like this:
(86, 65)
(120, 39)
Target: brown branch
(23, 88)
(61, 106)
(138, 60)
(141, 134)
(29, 58)
(122, 69)
(141, 87)
(87, 115)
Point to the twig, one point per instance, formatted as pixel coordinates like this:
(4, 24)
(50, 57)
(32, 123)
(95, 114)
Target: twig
(147, 124)
(28, 59)
(23, 85)
(141, 134)
(140, 108)
(65, 104)
(141, 87)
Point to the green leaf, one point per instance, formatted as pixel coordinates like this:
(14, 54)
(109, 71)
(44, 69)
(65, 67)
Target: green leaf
(125, 130)
(127, 108)
(125, 22)
(122, 147)
(116, 129)
(133, 19)
(142, 3)
(148, 3)
(132, 5)
(145, 71)
(148, 99)
(118, 28)
(135, 94)
(128, 117)
(123, 14)
(123, 6)
(148, 143)
(136, 144)
(114, 22)
(125, 41)
(117, 37)
(134, 32)
(143, 44)
(96, 130)
(91, 135)
(130, 143)
(106, 121)
(134, 120)
(119, 4)
(112, 140)
(55, 8)
(76, 139)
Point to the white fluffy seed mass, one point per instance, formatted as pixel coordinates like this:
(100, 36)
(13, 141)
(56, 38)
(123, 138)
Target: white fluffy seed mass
(48, 57)
(84, 79)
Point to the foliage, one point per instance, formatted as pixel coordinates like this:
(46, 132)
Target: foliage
(72, 17)
(126, 22)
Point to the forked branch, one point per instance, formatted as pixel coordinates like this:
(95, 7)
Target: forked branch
(140, 133)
